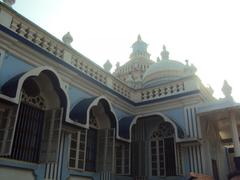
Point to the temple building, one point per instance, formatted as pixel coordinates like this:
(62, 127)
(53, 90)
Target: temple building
(64, 117)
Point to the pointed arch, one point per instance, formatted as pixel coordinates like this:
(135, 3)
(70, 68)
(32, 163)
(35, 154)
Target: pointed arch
(81, 112)
(178, 131)
(12, 88)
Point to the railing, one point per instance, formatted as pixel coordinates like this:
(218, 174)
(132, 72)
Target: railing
(121, 88)
(94, 72)
(162, 91)
(54, 46)
(49, 43)
(40, 38)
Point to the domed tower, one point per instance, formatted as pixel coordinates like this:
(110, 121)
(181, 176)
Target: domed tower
(139, 50)
(166, 70)
(136, 67)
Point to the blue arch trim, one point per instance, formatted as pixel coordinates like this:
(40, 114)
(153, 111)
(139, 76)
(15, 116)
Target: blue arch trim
(79, 111)
(10, 87)
(125, 125)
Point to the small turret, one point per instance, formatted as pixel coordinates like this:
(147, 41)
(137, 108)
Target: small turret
(67, 39)
(139, 49)
(227, 90)
(107, 66)
(164, 53)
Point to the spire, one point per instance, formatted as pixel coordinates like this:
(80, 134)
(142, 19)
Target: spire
(164, 53)
(139, 37)
(139, 45)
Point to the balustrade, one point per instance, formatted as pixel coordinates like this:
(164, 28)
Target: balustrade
(162, 91)
(54, 46)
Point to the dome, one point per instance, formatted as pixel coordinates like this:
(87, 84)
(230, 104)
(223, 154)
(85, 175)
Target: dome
(139, 45)
(163, 71)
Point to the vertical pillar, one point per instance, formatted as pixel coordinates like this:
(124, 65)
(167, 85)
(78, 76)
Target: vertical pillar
(235, 138)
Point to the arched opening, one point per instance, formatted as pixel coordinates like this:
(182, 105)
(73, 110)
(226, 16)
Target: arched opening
(92, 149)
(153, 147)
(100, 138)
(38, 123)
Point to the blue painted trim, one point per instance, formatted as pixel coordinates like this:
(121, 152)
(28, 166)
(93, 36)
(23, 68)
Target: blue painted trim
(79, 111)
(93, 175)
(124, 125)
(65, 157)
(60, 61)
(18, 164)
(40, 172)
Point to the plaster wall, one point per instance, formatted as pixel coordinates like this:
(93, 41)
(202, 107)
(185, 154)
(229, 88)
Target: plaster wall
(12, 66)
(119, 113)
(177, 115)
(214, 150)
(75, 95)
(14, 173)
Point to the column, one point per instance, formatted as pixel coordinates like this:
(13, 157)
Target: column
(235, 138)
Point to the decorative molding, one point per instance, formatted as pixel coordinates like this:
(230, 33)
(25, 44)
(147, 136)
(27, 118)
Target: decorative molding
(37, 101)
(164, 130)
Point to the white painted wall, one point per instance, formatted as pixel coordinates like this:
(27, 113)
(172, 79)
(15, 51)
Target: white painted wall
(78, 178)
(14, 173)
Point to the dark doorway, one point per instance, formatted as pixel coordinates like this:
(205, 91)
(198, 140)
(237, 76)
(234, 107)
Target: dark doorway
(170, 157)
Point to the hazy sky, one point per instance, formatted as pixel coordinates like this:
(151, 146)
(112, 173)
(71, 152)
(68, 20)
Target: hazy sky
(206, 32)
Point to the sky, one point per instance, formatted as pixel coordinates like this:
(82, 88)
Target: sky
(205, 32)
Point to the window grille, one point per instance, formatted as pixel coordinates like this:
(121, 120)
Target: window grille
(30, 133)
(106, 150)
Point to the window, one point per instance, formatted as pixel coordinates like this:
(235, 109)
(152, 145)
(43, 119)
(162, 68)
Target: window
(77, 150)
(7, 128)
(29, 132)
(122, 158)
(37, 134)
(105, 150)
(162, 151)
